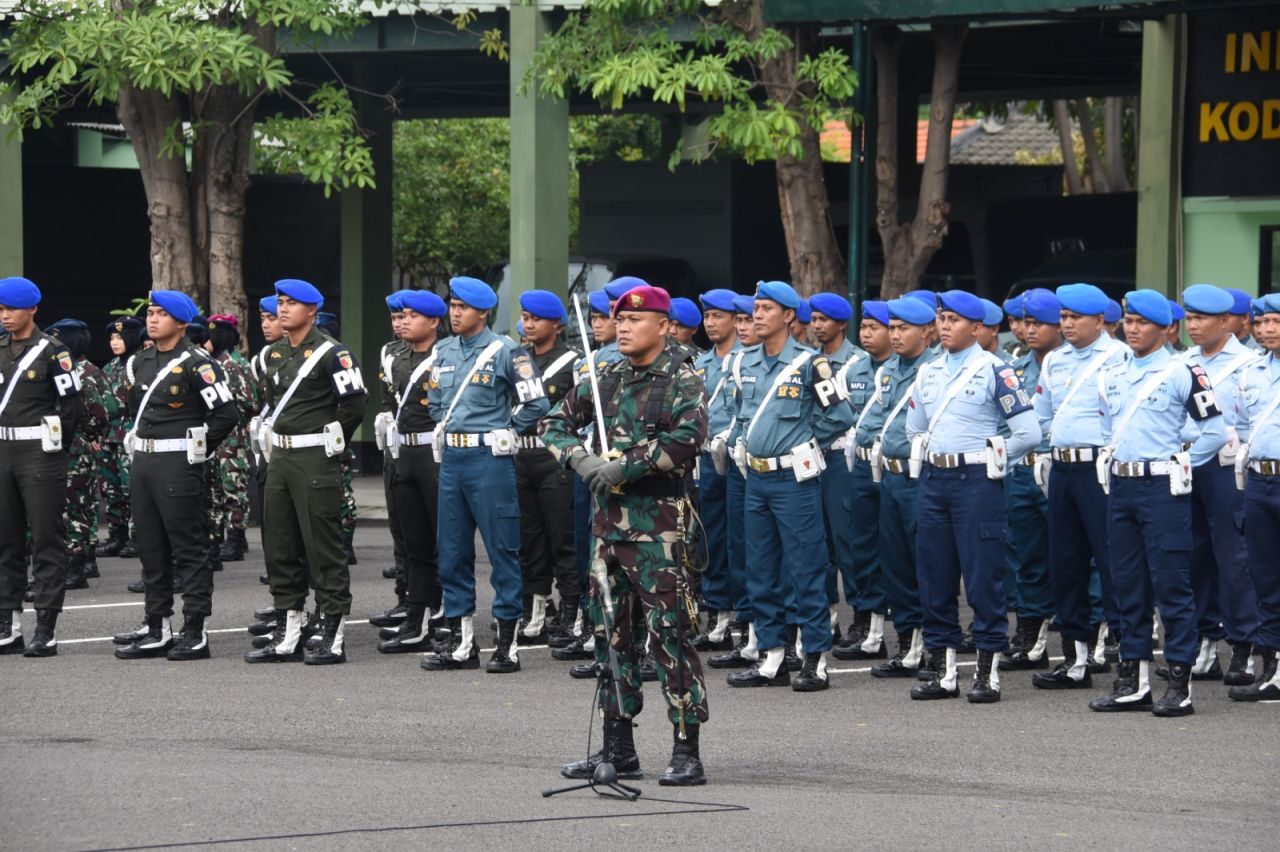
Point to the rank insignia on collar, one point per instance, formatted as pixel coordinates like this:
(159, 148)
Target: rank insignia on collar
(276, 355)
(306, 353)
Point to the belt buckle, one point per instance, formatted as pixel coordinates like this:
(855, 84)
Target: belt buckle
(1268, 467)
(759, 465)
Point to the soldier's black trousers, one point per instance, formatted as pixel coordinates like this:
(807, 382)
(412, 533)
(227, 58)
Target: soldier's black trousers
(167, 500)
(545, 490)
(417, 498)
(33, 490)
(389, 466)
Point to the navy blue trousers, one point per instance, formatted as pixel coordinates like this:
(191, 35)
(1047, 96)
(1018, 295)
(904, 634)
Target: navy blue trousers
(735, 501)
(960, 531)
(1262, 531)
(1078, 545)
(478, 489)
(1027, 547)
(716, 588)
(1226, 603)
(837, 517)
(1149, 531)
(864, 541)
(787, 560)
(583, 506)
(898, 550)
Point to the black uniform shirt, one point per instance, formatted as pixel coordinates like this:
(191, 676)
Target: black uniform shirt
(416, 414)
(556, 384)
(192, 393)
(49, 385)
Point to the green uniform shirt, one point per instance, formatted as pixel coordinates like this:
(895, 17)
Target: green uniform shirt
(333, 390)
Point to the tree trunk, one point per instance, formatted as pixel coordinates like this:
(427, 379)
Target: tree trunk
(1062, 116)
(1092, 156)
(909, 246)
(147, 117)
(816, 260)
(1113, 144)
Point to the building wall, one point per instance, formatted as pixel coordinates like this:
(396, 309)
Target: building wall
(1221, 244)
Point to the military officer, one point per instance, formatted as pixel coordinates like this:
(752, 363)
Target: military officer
(864, 586)
(1067, 406)
(1240, 319)
(1145, 404)
(655, 424)
(314, 402)
(783, 457)
(182, 410)
(1226, 604)
(685, 319)
(484, 390)
(1259, 465)
(40, 409)
(953, 419)
(416, 484)
(545, 487)
(988, 331)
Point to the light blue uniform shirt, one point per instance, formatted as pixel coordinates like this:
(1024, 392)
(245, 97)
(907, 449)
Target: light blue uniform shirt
(989, 397)
(714, 371)
(838, 418)
(893, 383)
(509, 379)
(1155, 432)
(1080, 423)
(860, 387)
(1224, 372)
(792, 416)
(1259, 385)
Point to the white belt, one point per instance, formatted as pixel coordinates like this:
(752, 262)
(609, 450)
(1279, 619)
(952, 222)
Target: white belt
(1139, 469)
(1029, 459)
(839, 444)
(1073, 455)
(21, 433)
(159, 445)
(953, 460)
(529, 442)
(295, 442)
(417, 439)
(1265, 467)
(769, 464)
(468, 439)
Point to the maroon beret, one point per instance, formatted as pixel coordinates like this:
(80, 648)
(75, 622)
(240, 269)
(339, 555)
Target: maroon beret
(644, 298)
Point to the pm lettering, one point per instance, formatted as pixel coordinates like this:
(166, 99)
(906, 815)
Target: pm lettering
(1206, 403)
(65, 383)
(348, 381)
(529, 389)
(828, 393)
(215, 393)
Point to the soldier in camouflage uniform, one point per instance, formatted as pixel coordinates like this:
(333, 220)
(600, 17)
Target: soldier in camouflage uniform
(230, 469)
(656, 422)
(82, 472)
(113, 462)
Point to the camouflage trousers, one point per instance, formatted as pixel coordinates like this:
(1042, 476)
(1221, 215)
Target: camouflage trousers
(650, 602)
(81, 511)
(113, 481)
(229, 484)
(347, 514)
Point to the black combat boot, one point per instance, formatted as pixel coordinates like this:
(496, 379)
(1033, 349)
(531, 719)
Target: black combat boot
(393, 617)
(331, 650)
(156, 643)
(908, 661)
(264, 579)
(131, 636)
(575, 650)
(10, 631)
(618, 748)
(745, 655)
(986, 680)
(506, 655)
(857, 634)
(138, 588)
(287, 644)
(193, 641)
(413, 635)
(91, 571)
(790, 658)
(45, 642)
(75, 573)
(1240, 669)
(462, 653)
(770, 671)
(648, 669)
(1206, 666)
(1071, 673)
(943, 679)
(532, 628)
(313, 631)
(868, 631)
(1131, 691)
(813, 674)
(130, 550)
(717, 636)
(116, 540)
(1266, 687)
(560, 635)
(685, 768)
(1176, 700)
(1030, 646)
(235, 547)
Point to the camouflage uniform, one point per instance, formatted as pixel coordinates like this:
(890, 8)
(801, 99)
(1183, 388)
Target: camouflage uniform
(230, 480)
(82, 471)
(642, 533)
(113, 461)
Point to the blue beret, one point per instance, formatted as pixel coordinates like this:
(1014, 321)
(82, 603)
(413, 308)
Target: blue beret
(992, 314)
(17, 292)
(1084, 299)
(1208, 299)
(963, 303)
(1242, 302)
(804, 313)
(599, 302)
(473, 291)
(929, 297)
(1176, 313)
(744, 304)
(720, 300)
(833, 305)
(176, 304)
(267, 305)
(542, 303)
(424, 302)
(120, 325)
(1041, 305)
(913, 311)
(618, 286)
(67, 325)
(300, 291)
(778, 291)
(878, 311)
(1268, 304)
(1113, 313)
(1150, 305)
(685, 312)
(393, 300)
(1017, 306)
(520, 328)
(326, 318)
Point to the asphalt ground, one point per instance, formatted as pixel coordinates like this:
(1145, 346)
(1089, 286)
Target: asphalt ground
(100, 753)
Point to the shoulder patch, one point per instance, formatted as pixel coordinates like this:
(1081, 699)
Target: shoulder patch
(64, 360)
(344, 358)
(822, 367)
